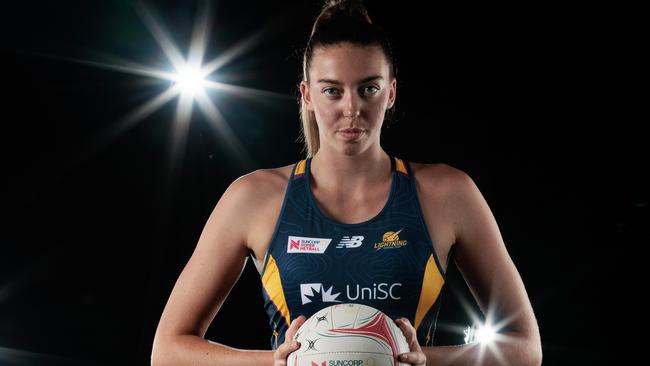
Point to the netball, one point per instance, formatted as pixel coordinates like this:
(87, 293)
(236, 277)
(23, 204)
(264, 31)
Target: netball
(348, 335)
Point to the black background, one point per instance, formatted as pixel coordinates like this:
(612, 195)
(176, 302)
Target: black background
(535, 102)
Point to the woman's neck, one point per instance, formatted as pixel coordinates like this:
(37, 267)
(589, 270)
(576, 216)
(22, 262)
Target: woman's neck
(352, 173)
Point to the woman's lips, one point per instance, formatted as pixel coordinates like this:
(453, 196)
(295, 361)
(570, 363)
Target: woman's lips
(351, 134)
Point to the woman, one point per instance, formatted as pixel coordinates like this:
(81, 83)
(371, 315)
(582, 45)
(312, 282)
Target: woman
(349, 223)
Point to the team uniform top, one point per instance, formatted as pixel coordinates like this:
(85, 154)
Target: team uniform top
(387, 262)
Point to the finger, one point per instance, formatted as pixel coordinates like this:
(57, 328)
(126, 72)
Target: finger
(407, 329)
(285, 348)
(289, 345)
(293, 328)
(413, 358)
(409, 332)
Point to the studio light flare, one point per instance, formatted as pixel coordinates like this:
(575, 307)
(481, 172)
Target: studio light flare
(189, 80)
(193, 83)
(484, 334)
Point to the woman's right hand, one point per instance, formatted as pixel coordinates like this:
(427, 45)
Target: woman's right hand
(281, 353)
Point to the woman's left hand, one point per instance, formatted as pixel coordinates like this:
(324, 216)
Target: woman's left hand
(416, 356)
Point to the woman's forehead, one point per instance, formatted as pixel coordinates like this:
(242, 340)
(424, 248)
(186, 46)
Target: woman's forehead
(348, 63)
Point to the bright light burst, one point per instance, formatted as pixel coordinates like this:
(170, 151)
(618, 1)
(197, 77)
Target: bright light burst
(190, 82)
(488, 334)
(191, 79)
(484, 334)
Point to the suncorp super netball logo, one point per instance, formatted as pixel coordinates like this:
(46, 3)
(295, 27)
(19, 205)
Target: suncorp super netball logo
(299, 244)
(391, 240)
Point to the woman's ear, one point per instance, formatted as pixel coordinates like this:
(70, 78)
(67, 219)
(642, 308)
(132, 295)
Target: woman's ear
(306, 97)
(392, 93)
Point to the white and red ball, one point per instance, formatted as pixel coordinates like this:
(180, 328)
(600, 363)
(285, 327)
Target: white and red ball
(348, 335)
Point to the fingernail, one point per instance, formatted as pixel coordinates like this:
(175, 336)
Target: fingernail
(404, 357)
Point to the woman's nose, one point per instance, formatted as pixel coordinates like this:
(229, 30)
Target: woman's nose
(351, 114)
(351, 107)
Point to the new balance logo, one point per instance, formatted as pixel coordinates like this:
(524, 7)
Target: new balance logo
(350, 242)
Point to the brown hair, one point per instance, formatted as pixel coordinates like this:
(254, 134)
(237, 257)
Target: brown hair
(339, 21)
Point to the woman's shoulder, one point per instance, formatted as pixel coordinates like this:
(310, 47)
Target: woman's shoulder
(447, 186)
(273, 176)
(437, 174)
(264, 182)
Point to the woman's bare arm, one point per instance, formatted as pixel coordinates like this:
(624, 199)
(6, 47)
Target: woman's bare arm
(204, 284)
(493, 279)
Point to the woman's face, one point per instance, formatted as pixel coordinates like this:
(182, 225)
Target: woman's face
(349, 88)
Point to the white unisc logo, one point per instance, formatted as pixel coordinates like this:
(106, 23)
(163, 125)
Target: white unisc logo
(310, 292)
(299, 244)
(350, 242)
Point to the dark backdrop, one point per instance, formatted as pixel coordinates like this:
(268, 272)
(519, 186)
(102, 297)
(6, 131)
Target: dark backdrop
(533, 101)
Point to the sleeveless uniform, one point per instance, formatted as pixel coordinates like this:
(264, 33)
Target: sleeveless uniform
(387, 262)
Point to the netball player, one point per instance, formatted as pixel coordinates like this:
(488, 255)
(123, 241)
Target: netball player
(350, 223)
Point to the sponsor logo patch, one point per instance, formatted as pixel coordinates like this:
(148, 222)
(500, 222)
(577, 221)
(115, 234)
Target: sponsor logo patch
(318, 293)
(300, 244)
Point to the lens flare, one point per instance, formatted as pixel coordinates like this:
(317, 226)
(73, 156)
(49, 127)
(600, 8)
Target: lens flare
(485, 334)
(192, 81)
(189, 80)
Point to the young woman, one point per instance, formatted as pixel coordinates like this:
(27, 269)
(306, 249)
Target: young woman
(350, 223)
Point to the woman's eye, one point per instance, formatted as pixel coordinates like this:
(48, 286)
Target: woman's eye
(326, 90)
(374, 87)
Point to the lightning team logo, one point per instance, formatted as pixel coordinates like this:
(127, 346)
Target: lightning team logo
(391, 240)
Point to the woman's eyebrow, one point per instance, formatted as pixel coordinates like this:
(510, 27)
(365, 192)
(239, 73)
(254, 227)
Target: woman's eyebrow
(364, 80)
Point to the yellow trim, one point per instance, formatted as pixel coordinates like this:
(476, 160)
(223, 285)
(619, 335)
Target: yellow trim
(431, 287)
(300, 167)
(400, 166)
(273, 286)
